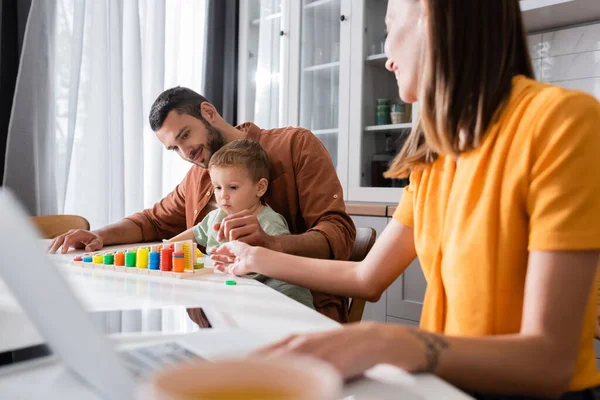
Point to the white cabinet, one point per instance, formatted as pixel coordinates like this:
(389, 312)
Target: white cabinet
(597, 351)
(294, 69)
(374, 137)
(319, 64)
(405, 296)
(323, 77)
(400, 321)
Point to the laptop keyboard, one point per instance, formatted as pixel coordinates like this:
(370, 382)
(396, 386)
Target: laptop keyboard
(145, 360)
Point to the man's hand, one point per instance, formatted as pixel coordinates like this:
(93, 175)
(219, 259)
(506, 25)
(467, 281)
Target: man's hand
(243, 226)
(77, 239)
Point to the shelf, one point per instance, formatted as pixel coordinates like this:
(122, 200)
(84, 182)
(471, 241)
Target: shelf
(271, 17)
(322, 66)
(317, 3)
(377, 60)
(325, 131)
(377, 57)
(388, 128)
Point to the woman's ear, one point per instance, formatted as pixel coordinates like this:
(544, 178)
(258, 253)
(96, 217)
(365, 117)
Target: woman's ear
(262, 187)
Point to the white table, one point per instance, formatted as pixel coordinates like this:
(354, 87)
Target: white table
(249, 305)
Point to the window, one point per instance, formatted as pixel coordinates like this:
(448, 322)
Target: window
(111, 60)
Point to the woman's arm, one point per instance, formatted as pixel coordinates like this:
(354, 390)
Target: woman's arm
(388, 258)
(540, 360)
(537, 361)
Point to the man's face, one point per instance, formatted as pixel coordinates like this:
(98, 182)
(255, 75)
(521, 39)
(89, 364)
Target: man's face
(193, 139)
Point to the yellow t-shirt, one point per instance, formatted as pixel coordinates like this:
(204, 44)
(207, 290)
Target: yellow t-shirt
(532, 185)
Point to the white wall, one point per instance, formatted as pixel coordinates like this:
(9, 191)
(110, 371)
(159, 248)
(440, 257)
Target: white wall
(569, 57)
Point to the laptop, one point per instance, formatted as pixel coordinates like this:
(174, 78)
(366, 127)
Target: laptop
(33, 279)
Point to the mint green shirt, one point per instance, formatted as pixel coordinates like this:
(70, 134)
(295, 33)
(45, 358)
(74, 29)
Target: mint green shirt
(271, 222)
(274, 225)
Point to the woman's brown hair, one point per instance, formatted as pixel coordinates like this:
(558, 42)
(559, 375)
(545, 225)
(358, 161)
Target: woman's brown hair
(474, 48)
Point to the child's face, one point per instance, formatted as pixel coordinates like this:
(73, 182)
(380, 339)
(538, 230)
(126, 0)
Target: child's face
(235, 190)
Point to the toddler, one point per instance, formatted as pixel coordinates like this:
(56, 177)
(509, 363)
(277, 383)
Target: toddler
(239, 172)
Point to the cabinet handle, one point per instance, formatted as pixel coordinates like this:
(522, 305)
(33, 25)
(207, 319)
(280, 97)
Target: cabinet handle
(281, 33)
(343, 18)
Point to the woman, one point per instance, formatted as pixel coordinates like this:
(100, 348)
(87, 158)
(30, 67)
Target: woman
(503, 211)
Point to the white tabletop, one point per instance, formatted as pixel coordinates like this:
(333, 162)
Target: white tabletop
(249, 305)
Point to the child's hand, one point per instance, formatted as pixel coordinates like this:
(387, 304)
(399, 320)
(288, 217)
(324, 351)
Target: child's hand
(233, 258)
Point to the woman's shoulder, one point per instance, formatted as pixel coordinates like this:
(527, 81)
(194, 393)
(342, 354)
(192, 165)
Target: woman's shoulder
(539, 114)
(546, 100)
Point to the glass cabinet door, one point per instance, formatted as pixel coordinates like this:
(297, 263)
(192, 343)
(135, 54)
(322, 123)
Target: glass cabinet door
(320, 65)
(381, 121)
(261, 82)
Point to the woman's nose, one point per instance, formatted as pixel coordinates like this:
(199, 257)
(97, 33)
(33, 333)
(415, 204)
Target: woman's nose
(389, 65)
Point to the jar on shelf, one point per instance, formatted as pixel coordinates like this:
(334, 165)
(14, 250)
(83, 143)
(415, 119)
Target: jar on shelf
(382, 115)
(398, 113)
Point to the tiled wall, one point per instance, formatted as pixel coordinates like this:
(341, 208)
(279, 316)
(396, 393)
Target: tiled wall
(569, 58)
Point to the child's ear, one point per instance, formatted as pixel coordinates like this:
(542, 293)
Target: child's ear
(262, 186)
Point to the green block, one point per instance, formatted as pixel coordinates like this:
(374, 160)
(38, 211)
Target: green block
(130, 259)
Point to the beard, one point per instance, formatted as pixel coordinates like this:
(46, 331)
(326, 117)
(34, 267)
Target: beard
(214, 141)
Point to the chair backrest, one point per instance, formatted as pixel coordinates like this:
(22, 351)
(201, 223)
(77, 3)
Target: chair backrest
(598, 301)
(51, 226)
(365, 239)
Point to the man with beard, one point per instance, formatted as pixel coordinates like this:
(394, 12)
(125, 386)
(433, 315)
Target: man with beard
(303, 187)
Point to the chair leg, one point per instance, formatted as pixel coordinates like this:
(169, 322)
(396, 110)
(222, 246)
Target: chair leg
(357, 307)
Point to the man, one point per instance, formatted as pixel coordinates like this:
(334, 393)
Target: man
(304, 188)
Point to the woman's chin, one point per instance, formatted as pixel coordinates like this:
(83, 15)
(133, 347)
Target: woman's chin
(407, 92)
(407, 96)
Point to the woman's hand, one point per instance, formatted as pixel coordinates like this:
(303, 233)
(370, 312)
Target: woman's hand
(233, 258)
(355, 349)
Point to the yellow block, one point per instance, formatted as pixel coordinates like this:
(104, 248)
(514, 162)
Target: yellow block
(142, 257)
(187, 256)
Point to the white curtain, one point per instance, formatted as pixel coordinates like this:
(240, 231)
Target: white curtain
(266, 107)
(79, 139)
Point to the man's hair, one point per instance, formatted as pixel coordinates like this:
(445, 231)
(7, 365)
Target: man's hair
(244, 153)
(180, 99)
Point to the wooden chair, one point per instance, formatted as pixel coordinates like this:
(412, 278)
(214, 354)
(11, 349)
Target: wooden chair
(51, 226)
(365, 239)
(598, 302)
